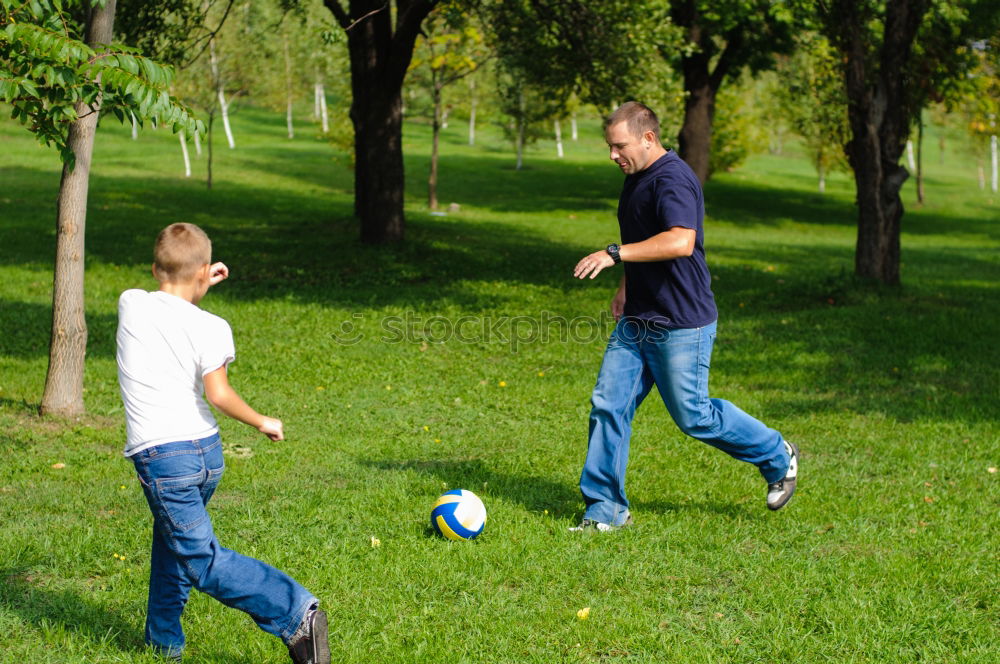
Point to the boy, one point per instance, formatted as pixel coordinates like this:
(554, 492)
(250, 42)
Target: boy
(170, 352)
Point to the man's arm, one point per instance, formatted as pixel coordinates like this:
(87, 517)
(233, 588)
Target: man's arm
(677, 242)
(221, 394)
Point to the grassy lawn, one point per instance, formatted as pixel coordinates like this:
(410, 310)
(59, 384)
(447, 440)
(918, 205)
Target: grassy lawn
(465, 358)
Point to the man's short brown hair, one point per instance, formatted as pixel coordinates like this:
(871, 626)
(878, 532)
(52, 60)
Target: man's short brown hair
(639, 118)
(180, 250)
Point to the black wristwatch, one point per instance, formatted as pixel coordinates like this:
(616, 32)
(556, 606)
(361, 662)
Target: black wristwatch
(613, 252)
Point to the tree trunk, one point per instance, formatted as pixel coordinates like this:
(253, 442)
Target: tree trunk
(472, 111)
(378, 169)
(880, 121)
(920, 160)
(220, 92)
(380, 53)
(559, 145)
(572, 126)
(694, 143)
(520, 131)
(63, 393)
(208, 141)
(316, 93)
(323, 114)
(289, 94)
(184, 151)
(197, 142)
(432, 201)
(993, 161)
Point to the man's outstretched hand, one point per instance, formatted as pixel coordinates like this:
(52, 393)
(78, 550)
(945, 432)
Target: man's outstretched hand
(593, 264)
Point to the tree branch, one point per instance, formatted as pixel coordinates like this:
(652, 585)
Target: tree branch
(338, 12)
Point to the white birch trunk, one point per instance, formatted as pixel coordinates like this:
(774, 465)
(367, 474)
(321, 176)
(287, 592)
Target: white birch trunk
(223, 106)
(317, 91)
(822, 180)
(909, 157)
(324, 115)
(224, 111)
(520, 145)
(572, 126)
(288, 87)
(520, 133)
(559, 145)
(993, 159)
(135, 127)
(197, 143)
(184, 151)
(472, 111)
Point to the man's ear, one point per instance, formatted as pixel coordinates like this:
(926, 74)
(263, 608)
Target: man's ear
(650, 137)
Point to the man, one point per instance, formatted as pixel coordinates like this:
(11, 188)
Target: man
(666, 327)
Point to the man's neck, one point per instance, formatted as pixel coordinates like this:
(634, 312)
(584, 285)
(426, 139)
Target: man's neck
(654, 157)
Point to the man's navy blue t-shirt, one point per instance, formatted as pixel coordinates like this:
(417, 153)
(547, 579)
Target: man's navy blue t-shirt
(676, 293)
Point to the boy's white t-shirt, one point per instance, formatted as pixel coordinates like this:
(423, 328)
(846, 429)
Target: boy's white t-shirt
(166, 345)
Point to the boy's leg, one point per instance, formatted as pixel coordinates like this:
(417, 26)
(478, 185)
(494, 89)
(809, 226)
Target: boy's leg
(680, 361)
(177, 479)
(169, 588)
(622, 384)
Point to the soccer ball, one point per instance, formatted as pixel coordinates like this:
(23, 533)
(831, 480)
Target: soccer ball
(458, 515)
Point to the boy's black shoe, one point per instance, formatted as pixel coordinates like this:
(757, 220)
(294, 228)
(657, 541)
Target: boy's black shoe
(311, 645)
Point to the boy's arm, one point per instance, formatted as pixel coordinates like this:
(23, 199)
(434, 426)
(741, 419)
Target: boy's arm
(221, 394)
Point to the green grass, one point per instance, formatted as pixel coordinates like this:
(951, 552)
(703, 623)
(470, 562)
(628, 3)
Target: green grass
(889, 552)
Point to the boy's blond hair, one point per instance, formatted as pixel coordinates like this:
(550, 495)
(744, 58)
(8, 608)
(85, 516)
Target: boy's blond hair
(181, 250)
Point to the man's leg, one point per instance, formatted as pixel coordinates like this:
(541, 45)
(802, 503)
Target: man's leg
(680, 361)
(622, 384)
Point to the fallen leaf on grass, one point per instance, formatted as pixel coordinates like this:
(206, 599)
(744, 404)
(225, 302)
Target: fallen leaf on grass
(583, 613)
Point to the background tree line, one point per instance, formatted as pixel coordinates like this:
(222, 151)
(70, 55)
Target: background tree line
(853, 78)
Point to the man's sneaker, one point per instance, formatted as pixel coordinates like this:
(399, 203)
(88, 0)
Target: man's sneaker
(780, 492)
(590, 524)
(310, 644)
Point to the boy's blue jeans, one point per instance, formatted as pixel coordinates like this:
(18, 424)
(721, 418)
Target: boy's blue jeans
(178, 479)
(677, 361)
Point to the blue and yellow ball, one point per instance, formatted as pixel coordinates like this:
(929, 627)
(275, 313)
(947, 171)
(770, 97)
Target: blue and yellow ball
(458, 515)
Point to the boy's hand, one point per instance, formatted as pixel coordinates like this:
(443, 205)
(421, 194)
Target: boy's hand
(217, 273)
(272, 428)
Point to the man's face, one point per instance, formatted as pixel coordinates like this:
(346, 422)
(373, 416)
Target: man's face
(631, 153)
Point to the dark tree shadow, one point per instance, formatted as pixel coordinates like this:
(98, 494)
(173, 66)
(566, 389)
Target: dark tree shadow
(22, 594)
(38, 605)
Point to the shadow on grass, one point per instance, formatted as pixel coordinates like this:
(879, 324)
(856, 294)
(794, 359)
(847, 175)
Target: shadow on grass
(534, 493)
(23, 594)
(25, 329)
(891, 352)
(28, 597)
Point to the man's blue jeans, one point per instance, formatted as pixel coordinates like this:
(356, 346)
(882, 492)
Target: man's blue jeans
(638, 356)
(178, 479)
